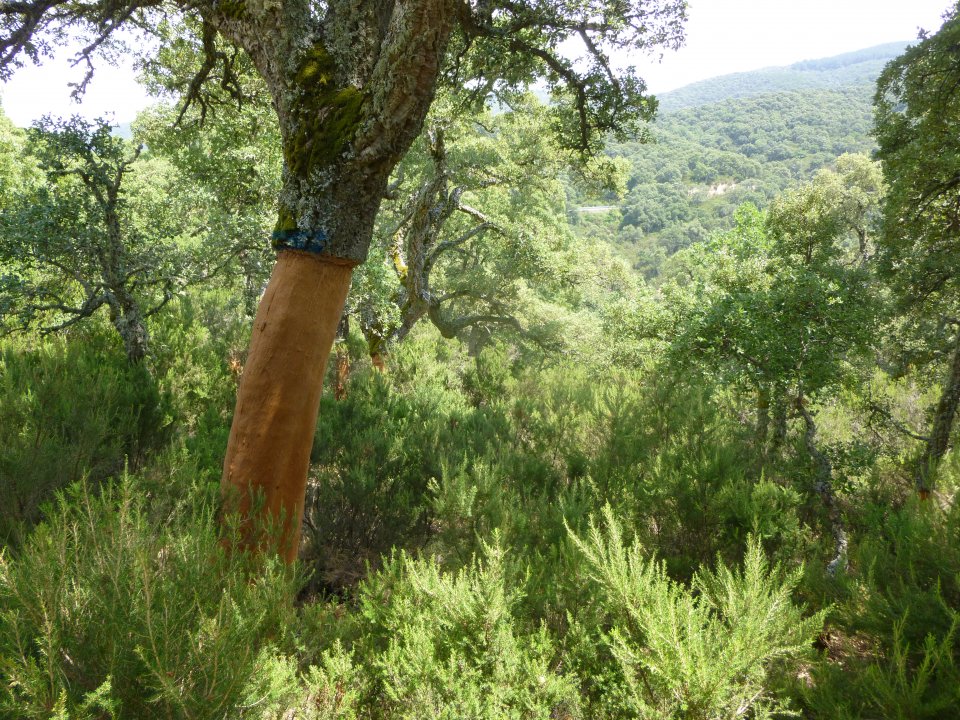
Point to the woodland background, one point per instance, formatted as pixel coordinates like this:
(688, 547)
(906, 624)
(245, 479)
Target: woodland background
(663, 435)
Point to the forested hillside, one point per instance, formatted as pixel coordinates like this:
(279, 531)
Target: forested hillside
(858, 68)
(318, 403)
(736, 139)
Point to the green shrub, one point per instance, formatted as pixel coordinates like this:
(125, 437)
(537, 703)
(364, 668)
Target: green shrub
(712, 651)
(426, 466)
(916, 682)
(488, 378)
(330, 690)
(120, 605)
(198, 353)
(685, 475)
(894, 634)
(374, 454)
(68, 411)
(105, 605)
(448, 645)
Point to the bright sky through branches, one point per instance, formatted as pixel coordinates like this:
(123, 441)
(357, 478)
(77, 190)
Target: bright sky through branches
(723, 36)
(727, 36)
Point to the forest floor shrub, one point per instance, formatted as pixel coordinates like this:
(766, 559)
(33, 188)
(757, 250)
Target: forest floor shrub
(711, 650)
(895, 627)
(104, 607)
(68, 411)
(457, 567)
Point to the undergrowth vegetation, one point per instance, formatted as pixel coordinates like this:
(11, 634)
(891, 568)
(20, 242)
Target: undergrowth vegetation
(482, 540)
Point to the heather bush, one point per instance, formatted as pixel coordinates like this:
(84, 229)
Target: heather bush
(68, 410)
(453, 562)
(893, 641)
(655, 648)
(106, 609)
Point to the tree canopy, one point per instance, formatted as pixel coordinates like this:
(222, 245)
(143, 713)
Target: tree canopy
(351, 82)
(917, 107)
(917, 112)
(99, 227)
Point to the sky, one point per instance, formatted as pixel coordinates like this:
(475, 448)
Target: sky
(723, 36)
(727, 36)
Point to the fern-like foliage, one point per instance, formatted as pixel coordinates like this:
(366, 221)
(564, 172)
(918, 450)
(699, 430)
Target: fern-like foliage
(709, 651)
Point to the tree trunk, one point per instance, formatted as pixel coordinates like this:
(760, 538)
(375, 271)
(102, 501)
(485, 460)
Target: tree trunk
(347, 114)
(823, 485)
(128, 320)
(763, 416)
(343, 358)
(943, 419)
(479, 338)
(268, 453)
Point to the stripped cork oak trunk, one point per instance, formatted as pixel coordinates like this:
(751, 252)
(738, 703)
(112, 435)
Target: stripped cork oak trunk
(268, 453)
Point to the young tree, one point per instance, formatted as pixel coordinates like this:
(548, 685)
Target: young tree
(351, 82)
(783, 305)
(917, 125)
(78, 242)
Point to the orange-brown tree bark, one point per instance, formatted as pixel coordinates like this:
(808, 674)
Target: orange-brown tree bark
(347, 114)
(268, 453)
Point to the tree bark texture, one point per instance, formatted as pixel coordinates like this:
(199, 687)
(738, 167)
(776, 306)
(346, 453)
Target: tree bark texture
(343, 358)
(943, 420)
(126, 313)
(127, 318)
(351, 95)
(823, 485)
(268, 454)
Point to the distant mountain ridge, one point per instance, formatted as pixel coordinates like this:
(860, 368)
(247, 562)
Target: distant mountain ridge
(735, 139)
(831, 73)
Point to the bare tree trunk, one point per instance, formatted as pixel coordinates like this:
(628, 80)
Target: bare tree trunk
(943, 418)
(125, 312)
(479, 338)
(129, 322)
(268, 453)
(823, 485)
(347, 114)
(378, 342)
(343, 358)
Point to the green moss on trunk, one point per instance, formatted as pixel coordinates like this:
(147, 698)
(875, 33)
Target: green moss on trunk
(328, 116)
(234, 9)
(323, 123)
